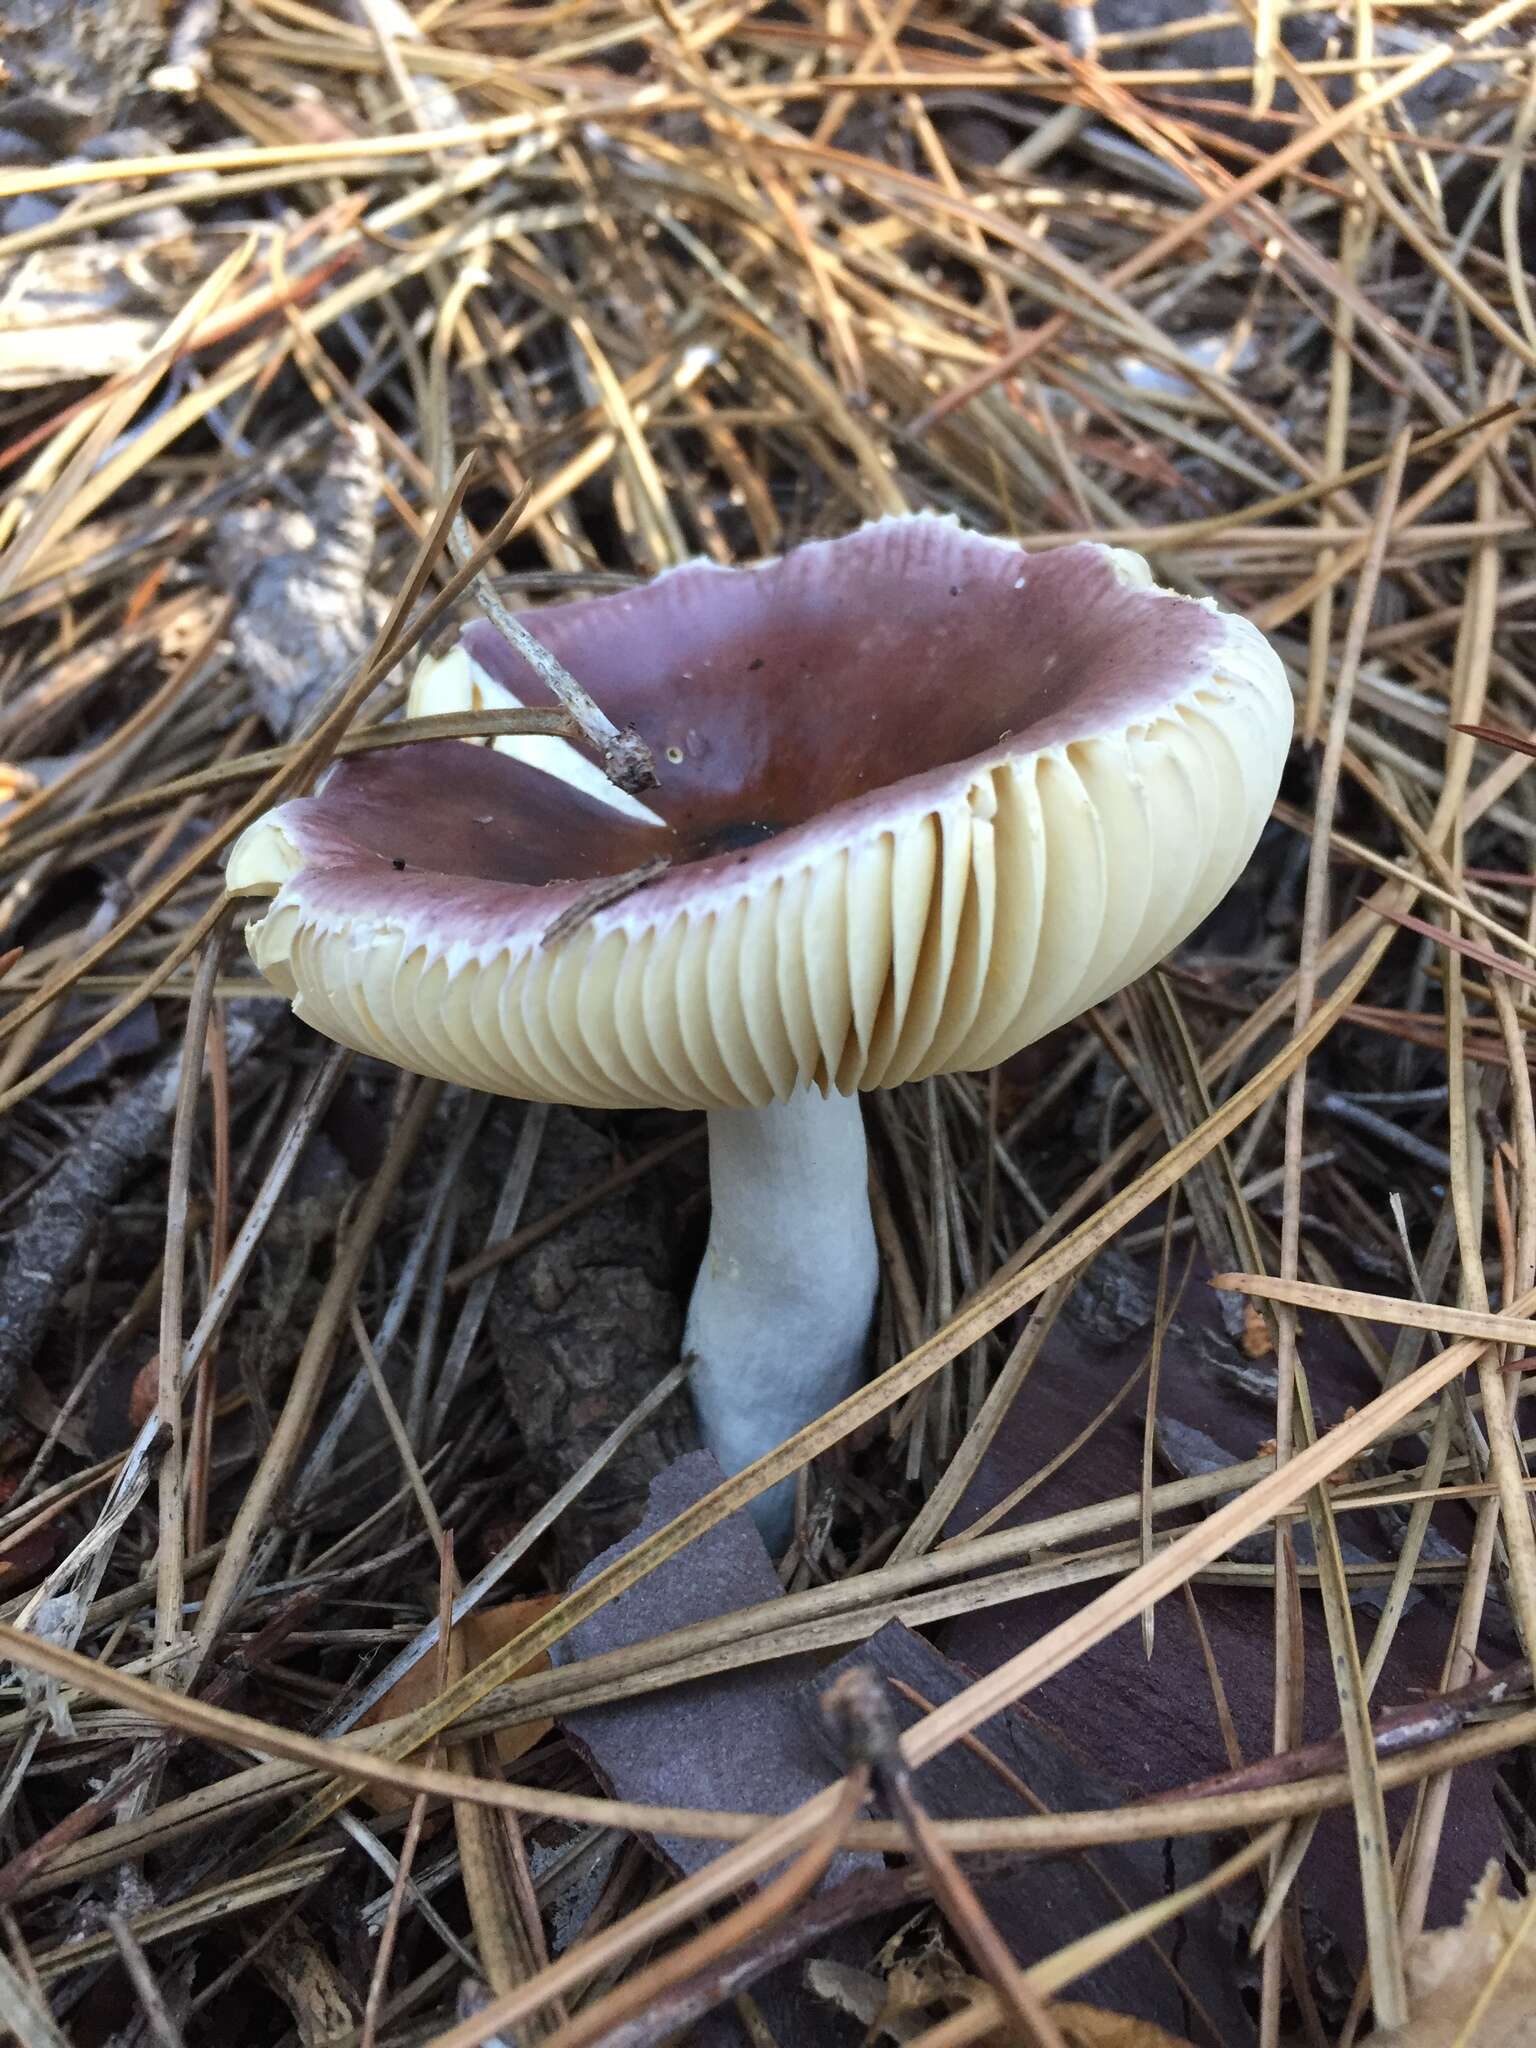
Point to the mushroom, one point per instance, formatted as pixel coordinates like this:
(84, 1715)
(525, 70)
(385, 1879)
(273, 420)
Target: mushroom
(924, 797)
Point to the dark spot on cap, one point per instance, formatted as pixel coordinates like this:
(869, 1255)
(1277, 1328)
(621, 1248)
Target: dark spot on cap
(397, 864)
(737, 835)
(754, 664)
(954, 590)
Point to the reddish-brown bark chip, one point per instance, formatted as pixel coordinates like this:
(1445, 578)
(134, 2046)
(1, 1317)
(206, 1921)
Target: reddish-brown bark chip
(1045, 1903)
(1151, 1727)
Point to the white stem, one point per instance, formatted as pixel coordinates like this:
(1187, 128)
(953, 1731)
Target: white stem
(782, 1306)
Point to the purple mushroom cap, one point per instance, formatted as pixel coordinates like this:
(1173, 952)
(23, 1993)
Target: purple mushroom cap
(923, 796)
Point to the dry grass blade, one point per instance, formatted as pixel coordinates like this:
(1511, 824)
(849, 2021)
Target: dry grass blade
(764, 1839)
(170, 1589)
(1430, 1317)
(26, 2011)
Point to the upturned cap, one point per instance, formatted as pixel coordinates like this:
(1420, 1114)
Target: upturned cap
(924, 797)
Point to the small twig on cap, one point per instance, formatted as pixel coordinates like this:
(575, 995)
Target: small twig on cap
(599, 894)
(860, 1712)
(626, 758)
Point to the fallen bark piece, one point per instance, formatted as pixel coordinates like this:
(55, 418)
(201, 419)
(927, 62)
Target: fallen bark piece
(1150, 1724)
(579, 1325)
(1051, 1901)
(739, 1742)
(305, 612)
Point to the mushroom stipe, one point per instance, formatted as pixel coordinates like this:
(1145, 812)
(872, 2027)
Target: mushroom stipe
(895, 835)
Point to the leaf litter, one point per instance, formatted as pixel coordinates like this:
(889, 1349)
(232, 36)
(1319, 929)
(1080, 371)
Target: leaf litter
(286, 293)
